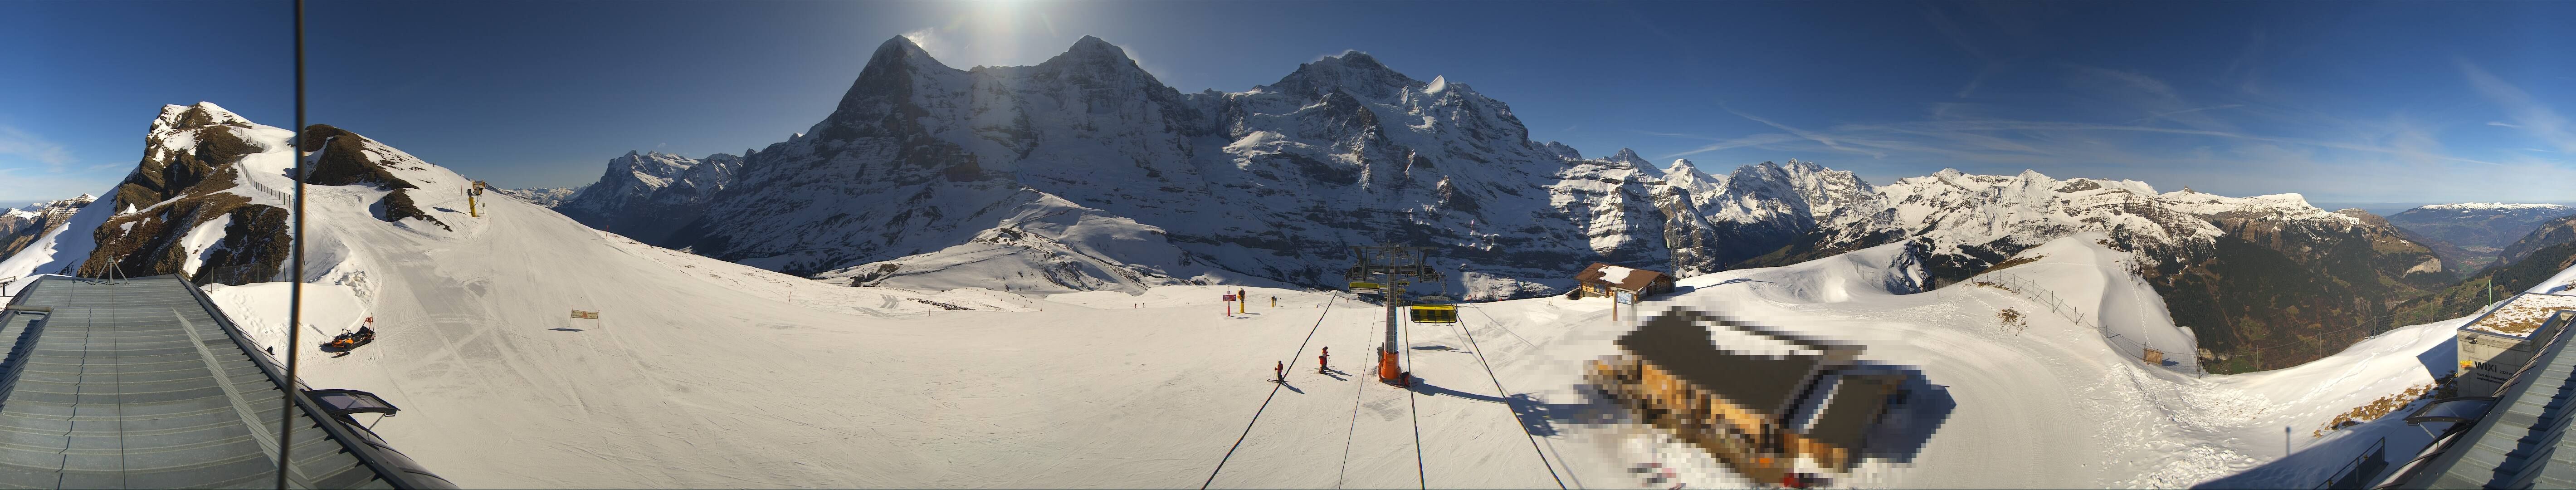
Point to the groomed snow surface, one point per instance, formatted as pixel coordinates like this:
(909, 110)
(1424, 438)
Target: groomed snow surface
(702, 373)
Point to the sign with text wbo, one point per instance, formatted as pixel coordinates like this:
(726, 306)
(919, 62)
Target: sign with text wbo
(585, 314)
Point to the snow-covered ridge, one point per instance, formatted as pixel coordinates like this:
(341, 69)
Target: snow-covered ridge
(2284, 206)
(2493, 206)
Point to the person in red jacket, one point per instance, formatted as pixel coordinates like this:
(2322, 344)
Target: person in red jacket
(1281, 371)
(1324, 362)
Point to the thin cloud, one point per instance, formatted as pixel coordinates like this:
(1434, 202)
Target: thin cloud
(1950, 29)
(2247, 69)
(2504, 124)
(2527, 113)
(20, 144)
(1757, 140)
(1826, 139)
(1992, 67)
(2162, 115)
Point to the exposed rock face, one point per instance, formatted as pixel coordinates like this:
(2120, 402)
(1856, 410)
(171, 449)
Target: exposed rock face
(646, 196)
(2475, 233)
(180, 212)
(211, 200)
(342, 158)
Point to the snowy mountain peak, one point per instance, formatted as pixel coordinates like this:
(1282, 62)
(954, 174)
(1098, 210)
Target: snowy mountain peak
(1630, 157)
(1562, 151)
(1094, 46)
(201, 114)
(1353, 72)
(902, 50)
(1092, 50)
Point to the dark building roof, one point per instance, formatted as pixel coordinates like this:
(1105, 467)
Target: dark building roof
(1680, 345)
(2521, 442)
(1636, 280)
(143, 383)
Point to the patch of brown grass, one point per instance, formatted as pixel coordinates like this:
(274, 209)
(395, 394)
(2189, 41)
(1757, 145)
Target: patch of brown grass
(2382, 407)
(2013, 321)
(2007, 263)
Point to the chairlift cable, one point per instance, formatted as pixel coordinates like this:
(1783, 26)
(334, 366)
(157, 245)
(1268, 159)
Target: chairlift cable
(1506, 394)
(1265, 401)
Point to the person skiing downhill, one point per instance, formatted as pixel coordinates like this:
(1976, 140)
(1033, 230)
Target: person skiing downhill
(1323, 362)
(1281, 371)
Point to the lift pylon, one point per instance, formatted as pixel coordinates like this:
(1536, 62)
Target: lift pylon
(1392, 268)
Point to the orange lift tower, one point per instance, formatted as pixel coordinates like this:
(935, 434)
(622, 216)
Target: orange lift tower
(1390, 268)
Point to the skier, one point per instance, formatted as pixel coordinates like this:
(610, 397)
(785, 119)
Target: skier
(1324, 362)
(1281, 371)
(1274, 301)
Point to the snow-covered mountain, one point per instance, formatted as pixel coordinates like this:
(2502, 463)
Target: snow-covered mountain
(543, 196)
(2475, 233)
(1084, 172)
(744, 377)
(21, 226)
(1274, 182)
(648, 195)
(923, 169)
(1715, 222)
(2219, 261)
(211, 201)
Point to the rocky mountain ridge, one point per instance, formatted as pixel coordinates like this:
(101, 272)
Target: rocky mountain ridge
(925, 174)
(2477, 233)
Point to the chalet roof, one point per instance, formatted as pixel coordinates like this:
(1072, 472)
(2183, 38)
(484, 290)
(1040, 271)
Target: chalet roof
(1631, 279)
(1678, 343)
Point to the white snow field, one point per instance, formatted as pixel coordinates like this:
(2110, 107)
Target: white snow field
(703, 373)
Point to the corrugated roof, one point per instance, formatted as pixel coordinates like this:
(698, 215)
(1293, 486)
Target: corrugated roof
(141, 383)
(2521, 443)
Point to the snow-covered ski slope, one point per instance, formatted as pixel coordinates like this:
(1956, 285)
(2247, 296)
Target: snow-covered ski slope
(702, 373)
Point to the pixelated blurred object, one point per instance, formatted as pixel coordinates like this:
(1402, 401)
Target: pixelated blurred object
(1765, 402)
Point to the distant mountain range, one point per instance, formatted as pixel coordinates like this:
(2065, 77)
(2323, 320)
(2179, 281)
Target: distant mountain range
(1084, 172)
(2477, 233)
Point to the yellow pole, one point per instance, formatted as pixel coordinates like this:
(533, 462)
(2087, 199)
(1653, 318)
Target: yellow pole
(469, 206)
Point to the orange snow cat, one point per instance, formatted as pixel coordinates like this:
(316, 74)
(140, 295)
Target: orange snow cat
(346, 341)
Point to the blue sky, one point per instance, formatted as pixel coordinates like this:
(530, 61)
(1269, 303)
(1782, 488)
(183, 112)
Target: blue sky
(2343, 102)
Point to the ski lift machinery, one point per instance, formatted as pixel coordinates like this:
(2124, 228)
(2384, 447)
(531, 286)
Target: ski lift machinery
(1391, 268)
